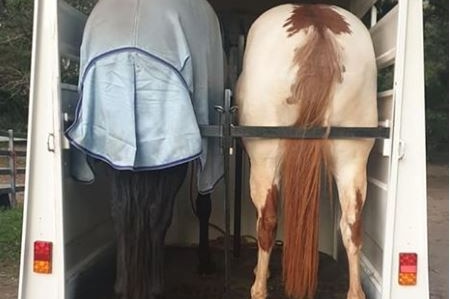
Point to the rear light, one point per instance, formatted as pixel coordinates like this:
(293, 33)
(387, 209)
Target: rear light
(407, 273)
(42, 262)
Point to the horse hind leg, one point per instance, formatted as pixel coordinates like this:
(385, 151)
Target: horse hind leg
(203, 208)
(264, 194)
(160, 219)
(352, 185)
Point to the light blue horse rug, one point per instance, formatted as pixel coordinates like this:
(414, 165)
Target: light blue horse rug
(151, 71)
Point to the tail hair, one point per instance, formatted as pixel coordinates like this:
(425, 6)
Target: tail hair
(303, 161)
(142, 208)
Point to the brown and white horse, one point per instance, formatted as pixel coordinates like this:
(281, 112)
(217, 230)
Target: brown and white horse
(307, 66)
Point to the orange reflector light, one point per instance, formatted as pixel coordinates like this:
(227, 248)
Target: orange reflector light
(407, 273)
(42, 262)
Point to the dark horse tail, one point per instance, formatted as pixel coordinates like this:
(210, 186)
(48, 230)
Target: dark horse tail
(142, 209)
(303, 160)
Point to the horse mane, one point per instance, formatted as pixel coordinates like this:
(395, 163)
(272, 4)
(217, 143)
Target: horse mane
(319, 70)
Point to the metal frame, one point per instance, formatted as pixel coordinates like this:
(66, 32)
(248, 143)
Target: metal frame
(12, 170)
(227, 132)
(294, 132)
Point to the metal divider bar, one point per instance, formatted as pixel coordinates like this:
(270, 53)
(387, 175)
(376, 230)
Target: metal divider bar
(297, 133)
(227, 141)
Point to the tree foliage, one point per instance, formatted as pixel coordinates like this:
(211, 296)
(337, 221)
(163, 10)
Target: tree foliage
(16, 22)
(85, 6)
(16, 18)
(436, 74)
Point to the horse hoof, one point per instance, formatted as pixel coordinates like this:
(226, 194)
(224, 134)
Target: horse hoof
(258, 294)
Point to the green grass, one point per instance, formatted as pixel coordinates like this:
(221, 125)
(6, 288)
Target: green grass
(10, 235)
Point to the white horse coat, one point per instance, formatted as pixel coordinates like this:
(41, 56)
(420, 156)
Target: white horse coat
(308, 65)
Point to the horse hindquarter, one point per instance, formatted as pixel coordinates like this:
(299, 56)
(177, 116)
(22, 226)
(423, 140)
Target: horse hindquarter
(313, 81)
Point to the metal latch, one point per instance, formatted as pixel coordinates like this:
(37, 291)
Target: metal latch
(51, 142)
(401, 149)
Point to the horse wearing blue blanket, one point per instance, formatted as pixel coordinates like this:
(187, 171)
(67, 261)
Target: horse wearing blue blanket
(150, 73)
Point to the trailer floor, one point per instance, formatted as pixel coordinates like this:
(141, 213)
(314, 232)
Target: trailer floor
(186, 284)
(183, 281)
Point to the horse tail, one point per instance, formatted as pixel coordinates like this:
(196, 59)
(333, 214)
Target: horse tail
(303, 160)
(142, 208)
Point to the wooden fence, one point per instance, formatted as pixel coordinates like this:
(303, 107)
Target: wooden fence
(9, 141)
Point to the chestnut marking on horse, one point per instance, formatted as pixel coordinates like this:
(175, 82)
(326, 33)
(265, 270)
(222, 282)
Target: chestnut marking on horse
(356, 227)
(320, 58)
(321, 17)
(268, 223)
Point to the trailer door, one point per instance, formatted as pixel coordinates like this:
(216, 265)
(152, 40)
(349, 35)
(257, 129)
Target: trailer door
(395, 256)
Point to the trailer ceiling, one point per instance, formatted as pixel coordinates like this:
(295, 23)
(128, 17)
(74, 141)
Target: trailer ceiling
(259, 6)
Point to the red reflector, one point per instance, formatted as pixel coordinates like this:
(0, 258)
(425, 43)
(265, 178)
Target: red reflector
(407, 274)
(408, 269)
(42, 262)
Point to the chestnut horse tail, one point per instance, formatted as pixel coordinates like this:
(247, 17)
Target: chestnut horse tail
(303, 161)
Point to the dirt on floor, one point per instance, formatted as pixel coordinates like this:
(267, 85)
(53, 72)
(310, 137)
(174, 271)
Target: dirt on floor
(9, 280)
(438, 204)
(183, 282)
(187, 282)
(332, 284)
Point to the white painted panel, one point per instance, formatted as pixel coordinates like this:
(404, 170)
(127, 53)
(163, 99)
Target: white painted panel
(43, 215)
(374, 213)
(384, 35)
(372, 252)
(71, 25)
(406, 225)
(370, 279)
(385, 107)
(374, 225)
(378, 168)
(383, 147)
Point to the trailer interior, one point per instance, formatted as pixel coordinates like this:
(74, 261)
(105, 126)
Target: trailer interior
(81, 227)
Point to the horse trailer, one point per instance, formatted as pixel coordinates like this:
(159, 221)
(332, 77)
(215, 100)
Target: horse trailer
(67, 227)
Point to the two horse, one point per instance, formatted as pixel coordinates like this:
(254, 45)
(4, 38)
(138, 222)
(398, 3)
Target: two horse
(305, 66)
